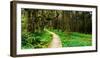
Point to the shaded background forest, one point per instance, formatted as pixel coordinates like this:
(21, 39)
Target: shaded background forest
(36, 20)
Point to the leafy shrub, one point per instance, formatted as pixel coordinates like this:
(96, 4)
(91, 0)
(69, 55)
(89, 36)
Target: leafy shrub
(35, 40)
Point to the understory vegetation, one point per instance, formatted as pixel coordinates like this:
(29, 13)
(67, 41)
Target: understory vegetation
(35, 40)
(42, 40)
(74, 39)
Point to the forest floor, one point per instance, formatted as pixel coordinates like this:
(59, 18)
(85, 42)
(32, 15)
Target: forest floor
(53, 38)
(55, 42)
(73, 39)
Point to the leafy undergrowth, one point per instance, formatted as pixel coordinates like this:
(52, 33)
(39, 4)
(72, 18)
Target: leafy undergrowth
(35, 40)
(74, 39)
(42, 40)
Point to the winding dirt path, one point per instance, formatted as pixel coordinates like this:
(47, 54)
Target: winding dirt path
(56, 42)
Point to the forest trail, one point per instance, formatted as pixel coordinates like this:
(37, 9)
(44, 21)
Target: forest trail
(56, 42)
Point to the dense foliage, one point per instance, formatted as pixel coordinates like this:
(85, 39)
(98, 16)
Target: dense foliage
(35, 40)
